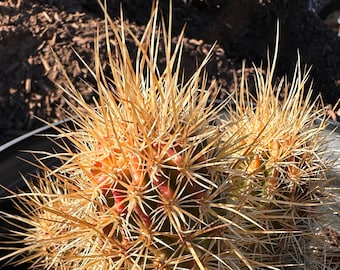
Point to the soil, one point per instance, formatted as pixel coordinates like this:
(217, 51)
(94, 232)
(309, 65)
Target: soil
(34, 33)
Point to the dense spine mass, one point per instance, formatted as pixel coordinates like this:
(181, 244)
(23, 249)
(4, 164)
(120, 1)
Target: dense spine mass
(156, 176)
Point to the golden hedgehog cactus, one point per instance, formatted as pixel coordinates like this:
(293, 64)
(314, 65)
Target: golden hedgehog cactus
(286, 164)
(154, 178)
(147, 184)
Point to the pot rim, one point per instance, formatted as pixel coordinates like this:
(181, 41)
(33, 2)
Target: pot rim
(29, 134)
(18, 156)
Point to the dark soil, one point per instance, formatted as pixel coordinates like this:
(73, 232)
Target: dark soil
(31, 32)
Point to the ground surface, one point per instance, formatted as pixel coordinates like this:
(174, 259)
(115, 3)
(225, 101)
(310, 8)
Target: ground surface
(244, 29)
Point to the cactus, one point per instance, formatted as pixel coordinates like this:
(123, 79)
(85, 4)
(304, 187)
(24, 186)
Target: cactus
(145, 182)
(286, 165)
(153, 177)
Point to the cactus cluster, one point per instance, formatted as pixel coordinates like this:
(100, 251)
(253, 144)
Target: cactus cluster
(157, 176)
